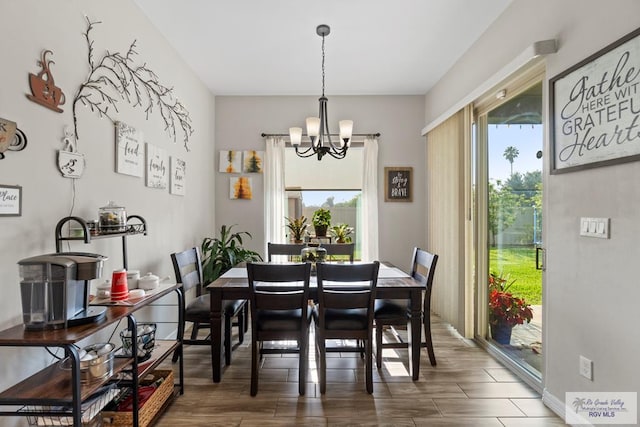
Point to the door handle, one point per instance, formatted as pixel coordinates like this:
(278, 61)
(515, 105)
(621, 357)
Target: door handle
(541, 255)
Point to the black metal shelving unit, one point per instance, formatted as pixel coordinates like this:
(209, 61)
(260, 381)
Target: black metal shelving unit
(60, 393)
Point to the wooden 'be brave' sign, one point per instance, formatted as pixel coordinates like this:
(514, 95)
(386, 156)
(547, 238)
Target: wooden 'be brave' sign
(398, 184)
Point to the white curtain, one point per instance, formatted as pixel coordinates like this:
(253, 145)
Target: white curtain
(275, 199)
(369, 210)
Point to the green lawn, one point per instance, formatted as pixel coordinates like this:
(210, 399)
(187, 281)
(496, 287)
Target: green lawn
(519, 264)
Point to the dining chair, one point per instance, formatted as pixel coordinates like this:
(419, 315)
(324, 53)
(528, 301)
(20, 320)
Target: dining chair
(279, 299)
(291, 250)
(187, 266)
(396, 312)
(339, 249)
(346, 295)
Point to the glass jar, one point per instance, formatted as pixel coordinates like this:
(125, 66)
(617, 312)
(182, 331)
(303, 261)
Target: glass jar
(112, 218)
(313, 253)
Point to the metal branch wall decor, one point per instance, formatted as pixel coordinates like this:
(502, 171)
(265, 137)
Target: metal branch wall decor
(137, 84)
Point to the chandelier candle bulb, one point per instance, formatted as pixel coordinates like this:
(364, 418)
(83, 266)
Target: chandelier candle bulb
(346, 129)
(296, 136)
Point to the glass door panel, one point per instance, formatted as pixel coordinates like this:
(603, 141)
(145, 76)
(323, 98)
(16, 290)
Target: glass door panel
(514, 226)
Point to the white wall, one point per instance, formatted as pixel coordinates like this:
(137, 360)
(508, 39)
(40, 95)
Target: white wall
(591, 286)
(174, 223)
(241, 120)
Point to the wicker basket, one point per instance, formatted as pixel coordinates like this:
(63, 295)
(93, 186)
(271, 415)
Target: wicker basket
(150, 408)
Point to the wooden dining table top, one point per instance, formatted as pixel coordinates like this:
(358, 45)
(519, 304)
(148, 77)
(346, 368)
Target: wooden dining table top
(388, 277)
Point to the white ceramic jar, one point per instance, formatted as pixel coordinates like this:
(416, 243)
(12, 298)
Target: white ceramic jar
(132, 278)
(148, 282)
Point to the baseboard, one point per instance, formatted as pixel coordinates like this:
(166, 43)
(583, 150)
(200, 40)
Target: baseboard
(557, 406)
(553, 403)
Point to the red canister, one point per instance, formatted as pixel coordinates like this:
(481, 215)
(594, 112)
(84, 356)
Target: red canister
(119, 289)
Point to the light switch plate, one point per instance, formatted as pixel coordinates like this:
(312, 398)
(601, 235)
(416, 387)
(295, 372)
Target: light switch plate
(594, 227)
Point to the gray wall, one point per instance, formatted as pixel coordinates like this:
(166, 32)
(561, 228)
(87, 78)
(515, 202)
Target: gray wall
(241, 120)
(591, 286)
(175, 222)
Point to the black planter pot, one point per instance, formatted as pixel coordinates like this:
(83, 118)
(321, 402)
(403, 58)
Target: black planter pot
(320, 231)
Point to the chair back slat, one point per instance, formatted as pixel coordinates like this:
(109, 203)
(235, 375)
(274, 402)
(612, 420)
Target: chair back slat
(346, 299)
(423, 266)
(289, 249)
(188, 269)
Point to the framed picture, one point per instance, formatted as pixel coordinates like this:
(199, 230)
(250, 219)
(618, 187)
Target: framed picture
(230, 161)
(240, 188)
(10, 200)
(398, 184)
(157, 167)
(178, 175)
(252, 161)
(129, 150)
(595, 109)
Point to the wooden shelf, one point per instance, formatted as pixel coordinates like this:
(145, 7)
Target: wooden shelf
(53, 386)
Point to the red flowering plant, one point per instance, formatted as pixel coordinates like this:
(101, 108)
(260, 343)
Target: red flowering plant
(504, 308)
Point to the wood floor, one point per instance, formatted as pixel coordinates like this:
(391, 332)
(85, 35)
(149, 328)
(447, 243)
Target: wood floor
(466, 388)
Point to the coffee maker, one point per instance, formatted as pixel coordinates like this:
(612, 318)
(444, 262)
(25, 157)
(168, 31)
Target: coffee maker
(55, 289)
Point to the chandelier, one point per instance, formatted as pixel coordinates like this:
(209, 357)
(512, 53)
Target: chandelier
(318, 127)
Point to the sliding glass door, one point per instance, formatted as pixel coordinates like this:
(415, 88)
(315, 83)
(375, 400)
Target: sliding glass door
(509, 161)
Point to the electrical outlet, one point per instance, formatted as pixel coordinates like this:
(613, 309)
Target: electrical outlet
(586, 368)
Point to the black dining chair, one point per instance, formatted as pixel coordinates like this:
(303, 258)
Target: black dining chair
(346, 295)
(342, 250)
(279, 299)
(395, 312)
(291, 250)
(187, 266)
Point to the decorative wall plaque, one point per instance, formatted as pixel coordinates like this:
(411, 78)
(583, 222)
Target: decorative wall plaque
(129, 150)
(398, 183)
(157, 167)
(595, 108)
(178, 176)
(43, 88)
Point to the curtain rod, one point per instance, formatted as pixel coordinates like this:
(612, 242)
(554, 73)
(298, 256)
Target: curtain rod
(377, 135)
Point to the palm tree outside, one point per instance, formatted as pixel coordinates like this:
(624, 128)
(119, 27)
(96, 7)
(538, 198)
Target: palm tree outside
(511, 153)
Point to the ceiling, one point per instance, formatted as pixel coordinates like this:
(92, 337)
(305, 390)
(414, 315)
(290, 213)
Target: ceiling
(376, 47)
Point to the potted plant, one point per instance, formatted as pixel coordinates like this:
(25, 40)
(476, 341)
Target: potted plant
(342, 233)
(297, 226)
(220, 254)
(505, 310)
(321, 220)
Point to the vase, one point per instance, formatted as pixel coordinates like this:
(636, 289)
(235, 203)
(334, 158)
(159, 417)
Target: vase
(501, 333)
(313, 253)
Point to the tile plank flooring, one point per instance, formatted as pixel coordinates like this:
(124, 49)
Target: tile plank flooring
(466, 388)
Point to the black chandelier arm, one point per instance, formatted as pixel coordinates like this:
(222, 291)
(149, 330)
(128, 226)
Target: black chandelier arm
(306, 153)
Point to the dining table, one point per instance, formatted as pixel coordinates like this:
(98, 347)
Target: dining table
(393, 283)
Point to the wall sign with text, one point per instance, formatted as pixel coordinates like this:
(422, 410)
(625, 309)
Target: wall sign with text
(398, 184)
(10, 200)
(595, 108)
(129, 150)
(157, 167)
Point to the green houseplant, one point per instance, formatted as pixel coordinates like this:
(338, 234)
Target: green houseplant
(220, 254)
(505, 310)
(297, 226)
(321, 221)
(342, 233)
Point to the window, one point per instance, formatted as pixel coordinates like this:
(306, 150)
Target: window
(330, 183)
